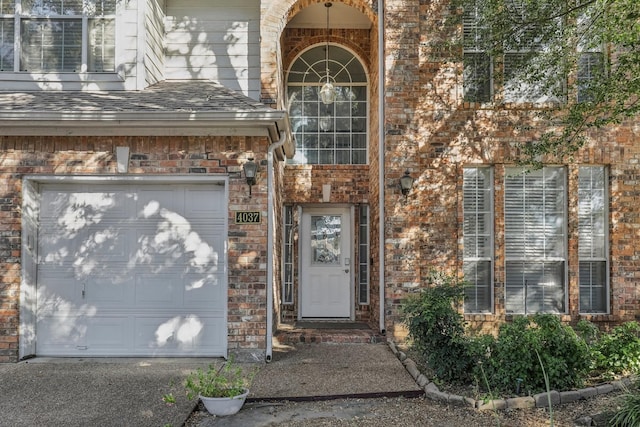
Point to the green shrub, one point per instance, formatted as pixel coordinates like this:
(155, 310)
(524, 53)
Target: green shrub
(618, 352)
(514, 362)
(587, 331)
(437, 328)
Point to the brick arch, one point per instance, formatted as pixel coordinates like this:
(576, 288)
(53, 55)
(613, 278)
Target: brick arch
(274, 18)
(293, 51)
(359, 5)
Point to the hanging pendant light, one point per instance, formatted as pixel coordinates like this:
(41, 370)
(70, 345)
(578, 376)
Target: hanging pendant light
(327, 92)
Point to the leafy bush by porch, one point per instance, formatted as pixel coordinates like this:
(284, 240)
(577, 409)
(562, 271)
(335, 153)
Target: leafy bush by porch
(438, 330)
(513, 362)
(509, 363)
(618, 352)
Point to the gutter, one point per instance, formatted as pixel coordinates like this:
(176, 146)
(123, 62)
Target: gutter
(284, 136)
(381, 225)
(143, 123)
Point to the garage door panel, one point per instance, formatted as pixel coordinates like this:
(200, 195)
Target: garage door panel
(158, 290)
(110, 292)
(191, 334)
(89, 246)
(106, 333)
(59, 248)
(111, 243)
(204, 203)
(181, 247)
(204, 292)
(85, 205)
(59, 295)
(60, 335)
(204, 251)
(157, 200)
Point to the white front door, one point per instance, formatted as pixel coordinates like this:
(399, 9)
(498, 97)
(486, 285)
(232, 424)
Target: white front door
(326, 263)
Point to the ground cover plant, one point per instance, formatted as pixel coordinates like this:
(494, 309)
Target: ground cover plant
(629, 413)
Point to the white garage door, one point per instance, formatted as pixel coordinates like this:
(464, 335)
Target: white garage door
(131, 270)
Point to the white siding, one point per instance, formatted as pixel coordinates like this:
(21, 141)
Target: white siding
(214, 40)
(127, 43)
(154, 54)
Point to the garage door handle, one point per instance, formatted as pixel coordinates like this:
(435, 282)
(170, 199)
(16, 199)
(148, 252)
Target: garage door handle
(346, 270)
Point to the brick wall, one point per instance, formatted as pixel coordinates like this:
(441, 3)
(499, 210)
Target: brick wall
(430, 131)
(433, 133)
(247, 254)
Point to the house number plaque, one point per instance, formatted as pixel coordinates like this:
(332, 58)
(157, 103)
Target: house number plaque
(248, 217)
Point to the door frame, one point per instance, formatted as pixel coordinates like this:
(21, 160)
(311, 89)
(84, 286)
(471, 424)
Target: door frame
(327, 209)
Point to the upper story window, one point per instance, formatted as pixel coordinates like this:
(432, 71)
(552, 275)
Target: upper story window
(333, 133)
(506, 75)
(57, 35)
(591, 63)
(477, 62)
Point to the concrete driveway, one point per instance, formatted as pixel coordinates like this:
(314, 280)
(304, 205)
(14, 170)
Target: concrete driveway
(108, 392)
(95, 392)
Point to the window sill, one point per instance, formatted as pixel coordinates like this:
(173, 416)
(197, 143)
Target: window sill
(466, 105)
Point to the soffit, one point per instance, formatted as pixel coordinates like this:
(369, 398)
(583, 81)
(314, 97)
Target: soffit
(340, 16)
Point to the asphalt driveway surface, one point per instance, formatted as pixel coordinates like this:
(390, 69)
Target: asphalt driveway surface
(95, 392)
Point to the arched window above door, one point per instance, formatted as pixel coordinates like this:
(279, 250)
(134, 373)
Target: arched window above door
(333, 133)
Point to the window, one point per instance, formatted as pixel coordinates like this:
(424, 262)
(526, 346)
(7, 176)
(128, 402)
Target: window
(535, 240)
(477, 63)
(334, 133)
(288, 256)
(590, 67)
(523, 47)
(590, 59)
(363, 255)
(57, 35)
(478, 238)
(593, 237)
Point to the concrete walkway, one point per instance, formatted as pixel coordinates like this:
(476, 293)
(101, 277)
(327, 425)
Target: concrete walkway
(309, 372)
(320, 370)
(128, 392)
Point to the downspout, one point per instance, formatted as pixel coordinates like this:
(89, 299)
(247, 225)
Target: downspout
(270, 240)
(381, 94)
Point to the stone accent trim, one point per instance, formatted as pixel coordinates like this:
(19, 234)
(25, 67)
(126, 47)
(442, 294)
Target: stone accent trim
(540, 400)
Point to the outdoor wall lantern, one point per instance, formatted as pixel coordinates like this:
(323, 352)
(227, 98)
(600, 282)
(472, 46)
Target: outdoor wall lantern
(406, 183)
(250, 170)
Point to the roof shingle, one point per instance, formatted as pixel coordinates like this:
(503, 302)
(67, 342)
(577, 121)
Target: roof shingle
(166, 96)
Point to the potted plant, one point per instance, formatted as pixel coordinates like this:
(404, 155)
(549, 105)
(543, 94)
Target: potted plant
(222, 390)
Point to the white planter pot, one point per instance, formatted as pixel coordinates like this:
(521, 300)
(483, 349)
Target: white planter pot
(222, 406)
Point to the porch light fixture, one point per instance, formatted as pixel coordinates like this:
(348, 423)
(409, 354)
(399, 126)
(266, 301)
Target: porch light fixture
(406, 183)
(250, 170)
(327, 92)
